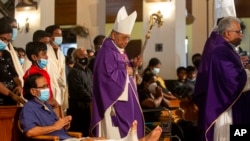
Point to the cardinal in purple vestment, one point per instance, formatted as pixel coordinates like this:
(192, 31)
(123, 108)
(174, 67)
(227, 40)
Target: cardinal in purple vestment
(115, 103)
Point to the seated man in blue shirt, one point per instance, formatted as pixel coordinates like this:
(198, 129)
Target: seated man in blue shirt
(38, 118)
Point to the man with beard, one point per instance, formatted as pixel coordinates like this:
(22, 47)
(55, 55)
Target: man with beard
(223, 78)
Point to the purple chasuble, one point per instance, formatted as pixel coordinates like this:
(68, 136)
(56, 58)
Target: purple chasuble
(109, 79)
(220, 80)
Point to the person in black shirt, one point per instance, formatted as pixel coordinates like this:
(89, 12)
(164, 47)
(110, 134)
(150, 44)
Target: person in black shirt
(80, 92)
(8, 76)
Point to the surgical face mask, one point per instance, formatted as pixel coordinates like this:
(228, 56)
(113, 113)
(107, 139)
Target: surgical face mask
(83, 61)
(152, 87)
(2, 45)
(44, 94)
(42, 63)
(58, 41)
(156, 70)
(21, 60)
(14, 34)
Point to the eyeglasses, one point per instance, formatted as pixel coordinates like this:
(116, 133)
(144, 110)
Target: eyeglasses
(123, 37)
(237, 31)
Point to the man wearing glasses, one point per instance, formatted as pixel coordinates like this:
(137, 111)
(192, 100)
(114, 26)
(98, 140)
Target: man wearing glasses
(221, 83)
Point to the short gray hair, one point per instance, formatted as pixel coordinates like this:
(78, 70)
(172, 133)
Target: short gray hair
(226, 23)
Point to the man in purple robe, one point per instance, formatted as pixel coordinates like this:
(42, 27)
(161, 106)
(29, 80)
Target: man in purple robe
(115, 102)
(222, 82)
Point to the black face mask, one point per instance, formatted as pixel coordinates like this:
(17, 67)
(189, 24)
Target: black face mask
(83, 61)
(196, 63)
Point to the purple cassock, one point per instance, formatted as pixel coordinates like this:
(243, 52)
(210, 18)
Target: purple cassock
(220, 81)
(109, 79)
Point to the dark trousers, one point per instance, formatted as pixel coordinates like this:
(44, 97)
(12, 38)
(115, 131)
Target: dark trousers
(80, 120)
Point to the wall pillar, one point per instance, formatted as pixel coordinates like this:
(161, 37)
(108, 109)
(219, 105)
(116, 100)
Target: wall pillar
(92, 15)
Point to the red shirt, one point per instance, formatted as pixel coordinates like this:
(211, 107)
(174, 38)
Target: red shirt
(35, 69)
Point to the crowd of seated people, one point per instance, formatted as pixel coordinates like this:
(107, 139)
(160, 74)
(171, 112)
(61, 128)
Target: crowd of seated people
(154, 66)
(152, 91)
(151, 97)
(184, 86)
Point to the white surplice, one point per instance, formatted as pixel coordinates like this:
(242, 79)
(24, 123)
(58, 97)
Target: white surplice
(26, 64)
(56, 70)
(222, 124)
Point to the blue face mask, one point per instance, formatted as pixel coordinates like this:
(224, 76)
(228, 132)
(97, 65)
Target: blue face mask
(42, 63)
(44, 94)
(21, 60)
(58, 41)
(14, 34)
(156, 70)
(2, 45)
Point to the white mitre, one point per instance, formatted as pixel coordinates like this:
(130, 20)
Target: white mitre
(124, 23)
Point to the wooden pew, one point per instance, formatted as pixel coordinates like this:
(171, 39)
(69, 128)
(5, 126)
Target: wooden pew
(8, 123)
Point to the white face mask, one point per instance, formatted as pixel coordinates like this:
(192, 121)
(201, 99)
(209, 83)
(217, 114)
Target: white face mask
(58, 41)
(152, 87)
(156, 70)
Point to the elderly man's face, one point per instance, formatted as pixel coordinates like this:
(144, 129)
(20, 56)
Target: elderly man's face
(121, 40)
(81, 56)
(234, 35)
(82, 53)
